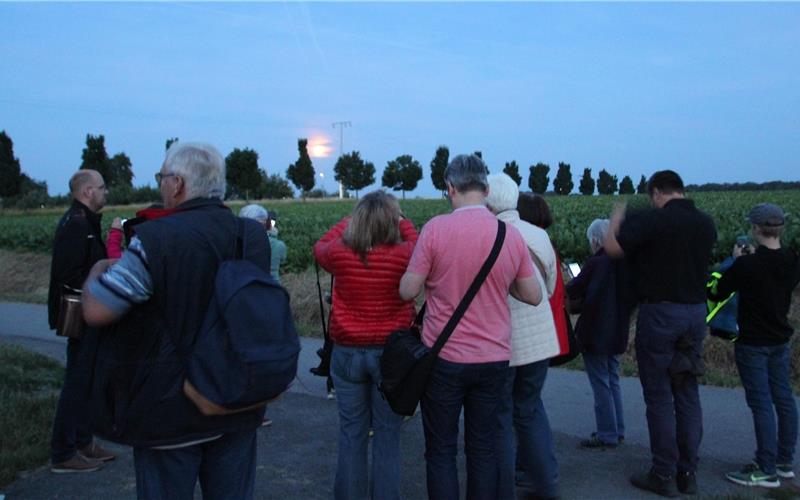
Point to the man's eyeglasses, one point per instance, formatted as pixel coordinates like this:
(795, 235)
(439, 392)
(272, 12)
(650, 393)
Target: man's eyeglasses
(160, 176)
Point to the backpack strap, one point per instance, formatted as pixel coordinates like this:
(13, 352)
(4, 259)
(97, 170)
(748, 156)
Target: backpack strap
(238, 253)
(472, 291)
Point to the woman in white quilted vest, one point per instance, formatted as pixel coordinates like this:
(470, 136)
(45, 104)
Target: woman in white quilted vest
(533, 343)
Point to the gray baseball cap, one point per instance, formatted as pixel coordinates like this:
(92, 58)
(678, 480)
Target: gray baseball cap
(766, 214)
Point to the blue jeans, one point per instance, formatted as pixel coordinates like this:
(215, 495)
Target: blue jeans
(603, 373)
(356, 374)
(71, 424)
(674, 416)
(521, 404)
(226, 468)
(765, 376)
(477, 388)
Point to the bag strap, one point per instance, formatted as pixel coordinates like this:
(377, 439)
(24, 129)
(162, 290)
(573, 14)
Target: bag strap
(472, 291)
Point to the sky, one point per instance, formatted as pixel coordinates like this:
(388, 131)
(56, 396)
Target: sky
(711, 90)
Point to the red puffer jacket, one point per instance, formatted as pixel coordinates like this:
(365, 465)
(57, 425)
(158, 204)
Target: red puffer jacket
(366, 304)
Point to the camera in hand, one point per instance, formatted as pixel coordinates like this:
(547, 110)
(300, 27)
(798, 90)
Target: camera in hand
(743, 242)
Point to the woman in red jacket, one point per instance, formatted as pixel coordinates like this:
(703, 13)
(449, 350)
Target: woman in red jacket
(367, 254)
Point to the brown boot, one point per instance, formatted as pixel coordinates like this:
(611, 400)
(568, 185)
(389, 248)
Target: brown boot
(78, 463)
(96, 452)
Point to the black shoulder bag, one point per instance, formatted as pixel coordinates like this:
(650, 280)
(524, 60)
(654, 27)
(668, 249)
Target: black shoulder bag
(406, 362)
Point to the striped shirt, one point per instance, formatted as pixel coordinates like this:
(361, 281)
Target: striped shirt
(127, 283)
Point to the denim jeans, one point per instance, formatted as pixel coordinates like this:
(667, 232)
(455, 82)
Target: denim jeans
(226, 468)
(477, 388)
(765, 376)
(71, 425)
(356, 375)
(603, 373)
(674, 416)
(521, 405)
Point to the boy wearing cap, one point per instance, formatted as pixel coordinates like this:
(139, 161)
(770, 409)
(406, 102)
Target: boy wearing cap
(765, 280)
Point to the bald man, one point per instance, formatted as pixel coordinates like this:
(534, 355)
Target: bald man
(78, 244)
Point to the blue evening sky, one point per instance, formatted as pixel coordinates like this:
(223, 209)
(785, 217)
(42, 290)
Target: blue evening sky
(710, 90)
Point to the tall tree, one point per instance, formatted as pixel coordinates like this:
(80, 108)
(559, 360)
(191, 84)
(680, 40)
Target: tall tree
(586, 186)
(626, 186)
(438, 166)
(512, 170)
(10, 173)
(563, 184)
(94, 156)
(353, 172)
(301, 172)
(606, 183)
(402, 174)
(538, 178)
(170, 142)
(120, 171)
(275, 187)
(642, 187)
(242, 173)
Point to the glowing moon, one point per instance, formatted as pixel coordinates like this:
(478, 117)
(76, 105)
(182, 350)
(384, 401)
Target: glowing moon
(320, 151)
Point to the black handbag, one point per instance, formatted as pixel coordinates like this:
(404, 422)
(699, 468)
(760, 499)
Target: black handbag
(406, 363)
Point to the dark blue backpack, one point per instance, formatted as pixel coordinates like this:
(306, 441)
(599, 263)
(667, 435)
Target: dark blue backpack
(246, 352)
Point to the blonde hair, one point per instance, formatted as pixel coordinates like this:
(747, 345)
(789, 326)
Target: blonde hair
(375, 222)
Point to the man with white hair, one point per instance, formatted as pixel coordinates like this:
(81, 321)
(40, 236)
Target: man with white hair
(533, 342)
(78, 244)
(276, 246)
(157, 295)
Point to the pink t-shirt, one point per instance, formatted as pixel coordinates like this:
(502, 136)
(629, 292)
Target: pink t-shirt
(450, 251)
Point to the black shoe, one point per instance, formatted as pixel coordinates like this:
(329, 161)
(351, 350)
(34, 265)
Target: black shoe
(620, 440)
(658, 484)
(594, 443)
(687, 483)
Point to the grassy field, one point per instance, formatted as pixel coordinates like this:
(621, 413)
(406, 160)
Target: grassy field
(29, 385)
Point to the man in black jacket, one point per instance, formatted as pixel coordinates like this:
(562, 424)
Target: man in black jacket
(78, 244)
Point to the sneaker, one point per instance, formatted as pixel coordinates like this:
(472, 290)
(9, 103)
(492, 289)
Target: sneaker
(752, 475)
(658, 484)
(78, 463)
(687, 483)
(785, 471)
(332, 394)
(594, 443)
(97, 452)
(266, 422)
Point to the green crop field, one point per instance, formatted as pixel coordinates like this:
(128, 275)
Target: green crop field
(302, 223)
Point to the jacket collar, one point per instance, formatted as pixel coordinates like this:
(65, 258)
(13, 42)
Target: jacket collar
(196, 203)
(510, 216)
(92, 217)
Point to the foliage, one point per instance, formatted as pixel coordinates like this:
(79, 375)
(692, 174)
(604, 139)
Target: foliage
(642, 187)
(512, 170)
(274, 187)
(10, 173)
(170, 142)
(126, 195)
(606, 183)
(438, 166)
(743, 186)
(242, 174)
(402, 174)
(586, 186)
(353, 172)
(94, 156)
(301, 172)
(626, 186)
(120, 171)
(563, 184)
(538, 178)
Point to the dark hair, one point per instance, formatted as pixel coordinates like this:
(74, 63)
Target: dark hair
(666, 181)
(533, 208)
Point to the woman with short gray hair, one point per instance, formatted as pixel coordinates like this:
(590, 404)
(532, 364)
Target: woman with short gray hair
(606, 294)
(533, 342)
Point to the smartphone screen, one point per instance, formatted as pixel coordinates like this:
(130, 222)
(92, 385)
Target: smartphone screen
(574, 268)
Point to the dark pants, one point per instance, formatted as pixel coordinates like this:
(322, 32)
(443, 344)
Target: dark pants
(71, 424)
(226, 468)
(765, 376)
(535, 453)
(477, 388)
(674, 416)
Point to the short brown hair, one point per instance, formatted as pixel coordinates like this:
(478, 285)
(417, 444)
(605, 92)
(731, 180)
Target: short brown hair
(376, 221)
(770, 231)
(533, 208)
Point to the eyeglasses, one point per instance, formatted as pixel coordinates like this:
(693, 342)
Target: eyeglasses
(160, 176)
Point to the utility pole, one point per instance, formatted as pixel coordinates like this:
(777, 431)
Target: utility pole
(341, 126)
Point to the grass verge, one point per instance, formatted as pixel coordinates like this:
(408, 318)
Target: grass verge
(29, 385)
